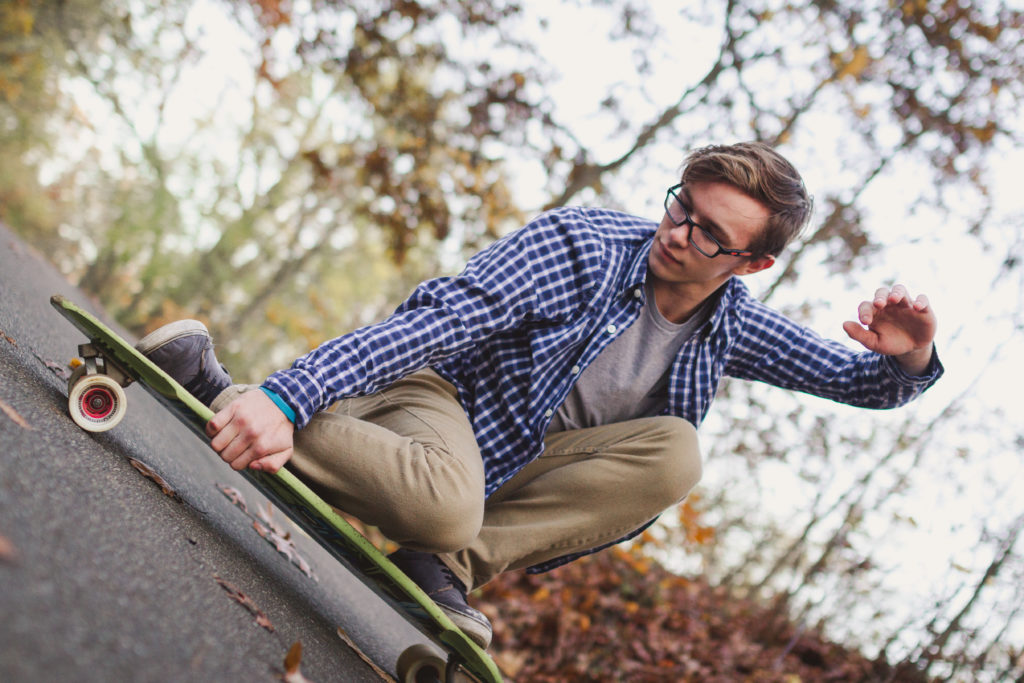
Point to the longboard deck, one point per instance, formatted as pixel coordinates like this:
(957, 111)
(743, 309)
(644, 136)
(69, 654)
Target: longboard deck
(295, 499)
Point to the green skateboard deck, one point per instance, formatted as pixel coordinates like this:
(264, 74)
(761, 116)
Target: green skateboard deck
(97, 402)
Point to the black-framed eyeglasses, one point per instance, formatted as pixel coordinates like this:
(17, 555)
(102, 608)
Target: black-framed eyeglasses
(701, 239)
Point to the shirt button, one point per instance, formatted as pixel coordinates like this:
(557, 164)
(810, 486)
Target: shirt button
(637, 293)
(611, 329)
(575, 370)
(548, 412)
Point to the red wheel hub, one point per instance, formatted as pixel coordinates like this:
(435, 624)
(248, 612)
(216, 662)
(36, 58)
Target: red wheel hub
(98, 403)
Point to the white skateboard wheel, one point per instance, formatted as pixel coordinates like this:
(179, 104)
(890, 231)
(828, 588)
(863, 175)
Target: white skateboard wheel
(96, 402)
(420, 664)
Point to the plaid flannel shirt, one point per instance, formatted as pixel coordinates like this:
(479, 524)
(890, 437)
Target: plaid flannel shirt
(515, 328)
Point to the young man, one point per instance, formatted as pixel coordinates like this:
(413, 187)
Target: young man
(543, 403)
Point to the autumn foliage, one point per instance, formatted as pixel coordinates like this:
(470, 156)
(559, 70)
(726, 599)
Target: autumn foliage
(621, 616)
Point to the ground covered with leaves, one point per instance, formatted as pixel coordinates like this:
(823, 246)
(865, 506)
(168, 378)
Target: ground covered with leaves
(619, 616)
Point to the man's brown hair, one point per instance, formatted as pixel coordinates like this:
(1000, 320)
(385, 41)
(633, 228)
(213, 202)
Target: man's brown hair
(763, 174)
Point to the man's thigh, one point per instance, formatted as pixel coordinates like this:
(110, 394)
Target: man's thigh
(422, 406)
(404, 459)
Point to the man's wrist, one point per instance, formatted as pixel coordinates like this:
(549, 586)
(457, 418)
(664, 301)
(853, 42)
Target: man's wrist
(916, 362)
(279, 402)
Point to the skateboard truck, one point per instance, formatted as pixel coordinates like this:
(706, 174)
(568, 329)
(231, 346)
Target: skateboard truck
(96, 398)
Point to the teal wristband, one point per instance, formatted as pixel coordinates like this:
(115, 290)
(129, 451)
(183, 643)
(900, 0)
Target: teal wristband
(279, 402)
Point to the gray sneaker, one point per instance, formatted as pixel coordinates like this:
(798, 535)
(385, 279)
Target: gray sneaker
(440, 583)
(184, 350)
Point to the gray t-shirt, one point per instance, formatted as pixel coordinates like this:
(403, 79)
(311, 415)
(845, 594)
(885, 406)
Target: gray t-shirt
(629, 379)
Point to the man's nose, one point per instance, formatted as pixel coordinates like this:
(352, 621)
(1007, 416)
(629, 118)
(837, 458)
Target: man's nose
(679, 235)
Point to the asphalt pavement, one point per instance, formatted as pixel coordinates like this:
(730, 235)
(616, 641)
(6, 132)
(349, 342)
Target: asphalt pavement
(104, 576)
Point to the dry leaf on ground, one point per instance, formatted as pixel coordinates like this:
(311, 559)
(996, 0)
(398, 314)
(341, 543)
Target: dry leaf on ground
(8, 553)
(13, 414)
(235, 496)
(59, 369)
(292, 663)
(272, 532)
(245, 601)
(384, 675)
(149, 473)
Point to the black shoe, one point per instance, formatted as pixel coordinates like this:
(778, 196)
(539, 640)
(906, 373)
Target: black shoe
(440, 583)
(184, 350)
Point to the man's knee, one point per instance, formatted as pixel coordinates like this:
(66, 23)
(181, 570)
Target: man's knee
(678, 465)
(442, 528)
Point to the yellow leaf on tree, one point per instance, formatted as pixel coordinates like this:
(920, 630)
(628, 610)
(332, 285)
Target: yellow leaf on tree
(984, 133)
(857, 63)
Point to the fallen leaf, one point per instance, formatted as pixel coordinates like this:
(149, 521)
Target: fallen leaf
(384, 675)
(8, 337)
(292, 663)
(61, 370)
(267, 515)
(284, 545)
(235, 496)
(264, 525)
(511, 663)
(13, 414)
(149, 473)
(8, 553)
(245, 601)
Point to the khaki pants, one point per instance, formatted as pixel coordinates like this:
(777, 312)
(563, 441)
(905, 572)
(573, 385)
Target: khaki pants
(405, 460)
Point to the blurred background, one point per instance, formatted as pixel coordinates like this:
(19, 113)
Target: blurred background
(289, 170)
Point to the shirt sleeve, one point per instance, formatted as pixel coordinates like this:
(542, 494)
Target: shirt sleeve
(772, 348)
(537, 273)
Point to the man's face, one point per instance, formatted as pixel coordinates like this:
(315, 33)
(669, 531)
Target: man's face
(733, 218)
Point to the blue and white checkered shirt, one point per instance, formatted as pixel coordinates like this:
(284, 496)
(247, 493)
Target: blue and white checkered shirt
(513, 331)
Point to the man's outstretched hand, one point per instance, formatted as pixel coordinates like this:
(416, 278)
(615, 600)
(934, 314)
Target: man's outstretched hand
(895, 325)
(252, 432)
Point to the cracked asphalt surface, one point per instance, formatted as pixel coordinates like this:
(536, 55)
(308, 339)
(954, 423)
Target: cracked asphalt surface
(104, 577)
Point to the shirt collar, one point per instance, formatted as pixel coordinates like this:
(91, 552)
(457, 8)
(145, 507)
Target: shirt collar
(637, 273)
(728, 294)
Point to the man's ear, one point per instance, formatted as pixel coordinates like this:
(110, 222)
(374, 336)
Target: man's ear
(755, 265)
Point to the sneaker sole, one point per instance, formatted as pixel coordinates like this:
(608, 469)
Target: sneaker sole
(168, 333)
(479, 632)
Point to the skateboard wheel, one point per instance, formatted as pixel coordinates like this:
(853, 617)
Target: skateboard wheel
(96, 402)
(420, 664)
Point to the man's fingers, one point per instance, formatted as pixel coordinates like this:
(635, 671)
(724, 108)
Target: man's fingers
(234, 438)
(894, 295)
(272, 463)
(249, 430)
(222, 428)
(866, 312)
(250, 445)
(858, 333)
(899, 294)
(219, 421)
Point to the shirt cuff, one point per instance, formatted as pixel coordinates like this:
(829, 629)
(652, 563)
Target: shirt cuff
(299, 390)
(931, 373)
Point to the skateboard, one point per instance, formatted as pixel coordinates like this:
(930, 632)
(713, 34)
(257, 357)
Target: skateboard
(97, 402)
